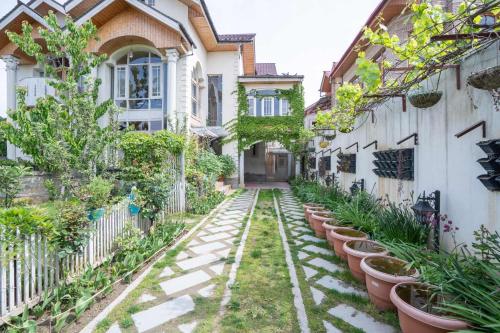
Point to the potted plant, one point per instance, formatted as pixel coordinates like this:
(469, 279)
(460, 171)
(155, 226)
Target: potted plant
(133, 207)
(309, 213)
(424, 99)
(418, 309)
(318, 218)
(486, 79)
(341, 235)
(356, 250)
(324, 144)
(228, 167)
(95, 195)
(382, 273)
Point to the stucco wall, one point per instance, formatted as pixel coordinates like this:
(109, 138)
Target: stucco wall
(442, 161)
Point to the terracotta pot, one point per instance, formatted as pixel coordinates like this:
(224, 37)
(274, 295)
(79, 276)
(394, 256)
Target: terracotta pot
(406, 296)
(329, 227)
(317, 220)
(381, 274)
(310, 211)
(341, 235)
(311, 205)
(356, 250)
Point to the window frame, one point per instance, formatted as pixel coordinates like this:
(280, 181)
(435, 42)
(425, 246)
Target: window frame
(252, 106)
(264, 99)
(195, 87)
(126, 67)
(289, 111)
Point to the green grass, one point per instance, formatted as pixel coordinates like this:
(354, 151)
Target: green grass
(262, 299)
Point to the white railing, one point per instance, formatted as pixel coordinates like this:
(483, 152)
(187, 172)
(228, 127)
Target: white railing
(32, 268)
(36, 87)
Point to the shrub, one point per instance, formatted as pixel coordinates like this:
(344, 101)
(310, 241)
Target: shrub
(72, 228)
(96, 193)
(398, 222)
(361, 212)
(228, 165)
(209, 164)
(11, 182)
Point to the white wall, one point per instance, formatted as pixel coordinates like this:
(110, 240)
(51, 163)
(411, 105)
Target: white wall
(442, 162)
(3, 90)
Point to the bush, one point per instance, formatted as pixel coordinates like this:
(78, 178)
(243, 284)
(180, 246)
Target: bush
(209, 164)
(398, 222)
(11, 182)
(361, 212)
(72, 228)
(228, 166)
(96, 193)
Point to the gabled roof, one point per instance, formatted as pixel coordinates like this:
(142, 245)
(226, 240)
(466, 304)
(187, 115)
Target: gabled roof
(322, 104)
(265, 69)
(326, 86)
(387, 10)
(43, 6)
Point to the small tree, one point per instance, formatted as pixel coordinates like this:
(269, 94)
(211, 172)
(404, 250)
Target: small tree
(61, 133)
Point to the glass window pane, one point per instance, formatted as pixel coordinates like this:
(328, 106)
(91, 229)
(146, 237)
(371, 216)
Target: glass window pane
(138, 104)
(194, 90)
(139, 125)
(268, 105)
(154, 58)
(139, 57)
(156, 104)
(121, 103)
(156, 81)
(251, 106)
(122, 60)
(285, 108)
(194, 107)
(123, 125)
(120, 78)
(138, 81)
(156, 125)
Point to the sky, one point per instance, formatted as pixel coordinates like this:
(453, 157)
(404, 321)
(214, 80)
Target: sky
(300, 36)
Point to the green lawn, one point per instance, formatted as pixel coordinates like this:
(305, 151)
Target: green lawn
(262, 299)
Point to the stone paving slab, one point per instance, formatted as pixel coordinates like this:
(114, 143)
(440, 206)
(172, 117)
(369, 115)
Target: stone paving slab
(209, 247)
(325, 264)
(183, 282)
(197, 261)
(330, 328)
(160, 314)
(340, 286)
(318, 250)
(360, 319)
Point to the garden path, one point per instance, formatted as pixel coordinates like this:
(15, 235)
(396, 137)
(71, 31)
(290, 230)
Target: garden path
(179, 299)
(326, 278)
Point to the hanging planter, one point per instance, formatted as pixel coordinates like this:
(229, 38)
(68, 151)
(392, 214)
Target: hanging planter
(424, 99)
(324, 144)
(487, 79)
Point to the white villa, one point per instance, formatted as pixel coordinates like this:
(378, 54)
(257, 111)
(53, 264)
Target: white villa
(166, 63)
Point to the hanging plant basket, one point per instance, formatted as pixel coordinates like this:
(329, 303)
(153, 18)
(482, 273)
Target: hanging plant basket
(324, 144)
(424, 99)
(487, 79)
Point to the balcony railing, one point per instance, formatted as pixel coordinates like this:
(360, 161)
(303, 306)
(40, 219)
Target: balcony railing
(36, 87)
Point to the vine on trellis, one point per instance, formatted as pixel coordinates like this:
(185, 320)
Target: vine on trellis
(287, 130)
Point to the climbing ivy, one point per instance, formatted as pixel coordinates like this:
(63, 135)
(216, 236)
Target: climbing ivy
(287, 130)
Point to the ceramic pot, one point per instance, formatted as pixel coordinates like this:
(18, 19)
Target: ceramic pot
(341, 235)
(356, 250)
(381, 274)
(407, 296)
(329, 227)
(317, 220)
(310, 211)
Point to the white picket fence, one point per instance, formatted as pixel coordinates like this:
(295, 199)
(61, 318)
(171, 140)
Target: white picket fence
(34, 268)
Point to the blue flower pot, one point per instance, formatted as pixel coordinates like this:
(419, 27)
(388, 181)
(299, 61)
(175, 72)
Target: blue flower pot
(134, 209)
(96, 214)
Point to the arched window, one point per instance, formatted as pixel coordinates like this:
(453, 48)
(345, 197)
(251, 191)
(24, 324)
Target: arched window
(138, 81)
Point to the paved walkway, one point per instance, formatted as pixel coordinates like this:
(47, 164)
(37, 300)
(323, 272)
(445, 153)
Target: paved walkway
(171, 307)
(322, 274)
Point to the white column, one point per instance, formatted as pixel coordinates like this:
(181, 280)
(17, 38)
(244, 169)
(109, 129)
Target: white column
(172, 58)
(11, 65)
(242, 169)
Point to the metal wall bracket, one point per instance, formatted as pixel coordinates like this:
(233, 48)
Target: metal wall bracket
(354, 144)
(473, 127)
(414, 136)
(371, 144)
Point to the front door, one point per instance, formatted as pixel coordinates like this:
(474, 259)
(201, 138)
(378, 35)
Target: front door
(281, 167)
